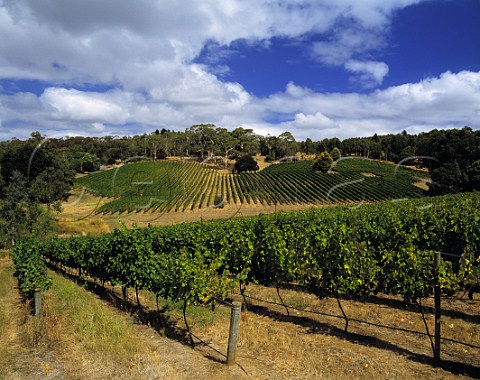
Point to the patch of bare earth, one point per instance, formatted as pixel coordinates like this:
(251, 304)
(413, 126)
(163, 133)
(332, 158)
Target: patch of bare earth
(79, 215)
(422, 184)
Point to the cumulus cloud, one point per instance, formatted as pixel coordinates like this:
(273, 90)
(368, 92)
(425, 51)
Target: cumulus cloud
(73, 105)
(347, 43)
(371, 72)
(450, 100)
(317, 121)
(107, 41)
(118, 67)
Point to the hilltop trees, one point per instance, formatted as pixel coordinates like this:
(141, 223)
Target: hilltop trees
(277, 147)
(473, 175)
(448, 154)
(50, 186)
(246, 141)
(201, 139)
(246, 163)
(31, 174)
(308, 146)
(323, 162)
(451, 156)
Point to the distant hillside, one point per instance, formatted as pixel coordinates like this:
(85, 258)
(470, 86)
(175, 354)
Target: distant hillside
(180, 185)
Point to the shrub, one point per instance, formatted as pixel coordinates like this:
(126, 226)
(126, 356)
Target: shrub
(323, 162)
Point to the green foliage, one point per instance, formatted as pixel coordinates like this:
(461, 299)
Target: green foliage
(473, 175)
(85, 162)
(336, 154)
(246, 164)
(386, 247)
(308, 146)
(453, 154)
(406, 155)
(176, 185)
(447, 179)
(31, 173)
(19, 215)
(30, 158)
(30, 266)
(51, 185)
(323, 162)
(2, 184)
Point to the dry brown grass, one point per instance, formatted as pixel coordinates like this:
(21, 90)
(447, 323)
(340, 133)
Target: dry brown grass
(311, 346)
(422, 184)
(308, 345)
(262, 164)
(95, 340)
(95, 225)
(83, 336)
(19, 332)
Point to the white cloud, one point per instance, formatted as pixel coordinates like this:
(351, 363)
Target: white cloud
(451, 100)
(73, 105)
(347, 43)
(317, 121)
(107, 41)
(371, 72)
(143, 53)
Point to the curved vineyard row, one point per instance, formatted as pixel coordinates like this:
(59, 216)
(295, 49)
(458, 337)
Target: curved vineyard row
(386, 247)
(180, 186)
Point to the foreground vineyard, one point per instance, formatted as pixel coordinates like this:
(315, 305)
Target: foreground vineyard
(178, 186)
(386, 247)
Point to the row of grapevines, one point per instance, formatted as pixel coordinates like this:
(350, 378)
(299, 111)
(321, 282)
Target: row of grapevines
(387, 247)
(30, 266)
(180, 186)
(158, 260)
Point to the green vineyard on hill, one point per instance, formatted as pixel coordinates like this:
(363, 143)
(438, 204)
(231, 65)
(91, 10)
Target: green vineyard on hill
(180, 185)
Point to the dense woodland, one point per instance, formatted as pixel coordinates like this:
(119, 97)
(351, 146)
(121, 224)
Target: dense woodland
(41, 170)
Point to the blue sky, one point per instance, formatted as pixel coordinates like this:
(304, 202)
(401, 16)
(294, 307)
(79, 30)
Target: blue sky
(316, 68)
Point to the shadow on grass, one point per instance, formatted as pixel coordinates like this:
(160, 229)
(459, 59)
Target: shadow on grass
(397, 304)
(315, 327)
(358, 320)
(154, 318)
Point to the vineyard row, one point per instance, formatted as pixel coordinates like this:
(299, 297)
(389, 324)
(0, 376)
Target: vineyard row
(180, 186)
(386, 247)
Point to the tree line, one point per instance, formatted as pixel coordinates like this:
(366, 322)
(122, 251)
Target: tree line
(41, 171)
